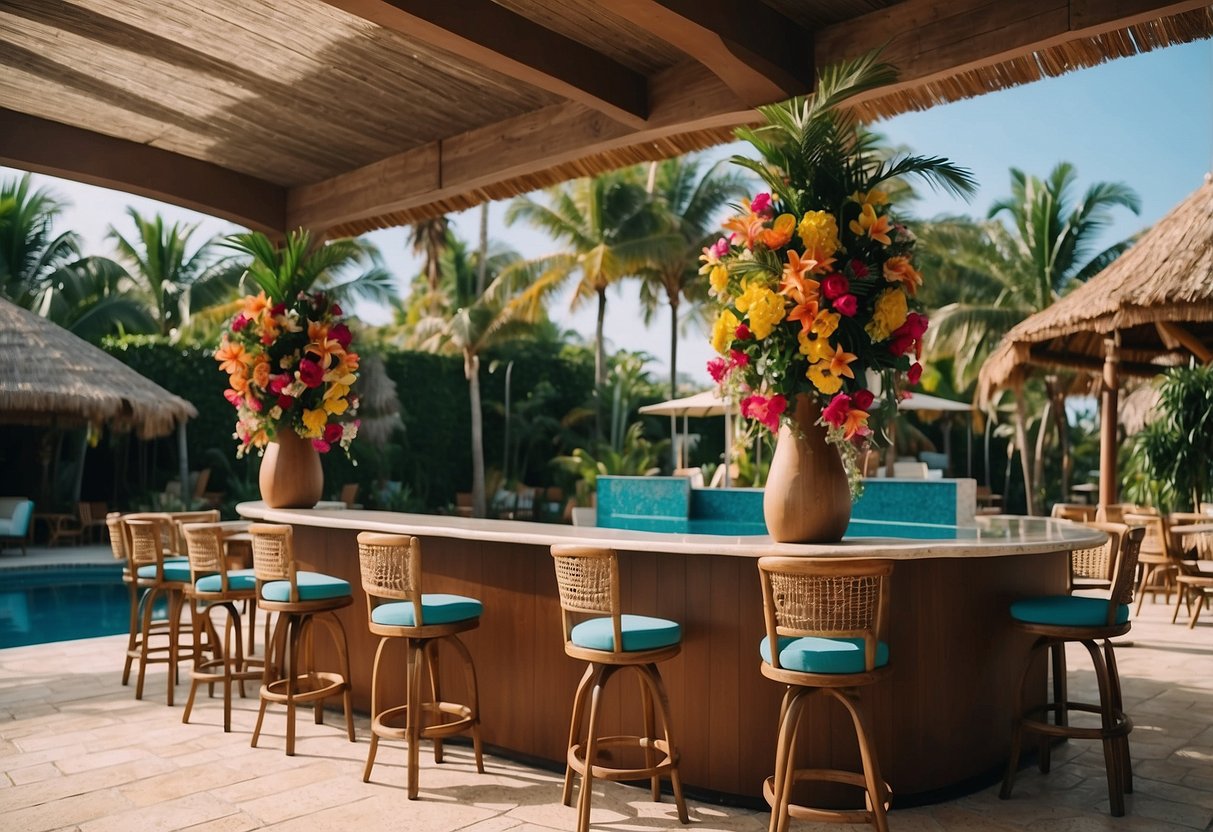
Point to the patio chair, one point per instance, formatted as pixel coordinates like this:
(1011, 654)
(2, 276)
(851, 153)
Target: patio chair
(92, 520)
(1078, 512)
(1195, 585)
(16, 516)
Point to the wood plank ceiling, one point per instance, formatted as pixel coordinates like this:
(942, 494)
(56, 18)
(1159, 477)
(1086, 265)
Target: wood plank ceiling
(350, 115)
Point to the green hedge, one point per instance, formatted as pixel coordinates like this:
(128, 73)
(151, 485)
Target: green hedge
(431, 456)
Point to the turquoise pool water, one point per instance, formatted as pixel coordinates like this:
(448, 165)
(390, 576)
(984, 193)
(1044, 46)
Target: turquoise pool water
(44, 605)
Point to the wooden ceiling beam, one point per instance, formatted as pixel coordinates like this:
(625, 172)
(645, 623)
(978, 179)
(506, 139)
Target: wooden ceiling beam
(685, 98)
(507, 43)
(42, 146)
(760, 54)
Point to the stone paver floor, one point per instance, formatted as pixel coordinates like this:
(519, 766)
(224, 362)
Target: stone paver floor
(77, 751)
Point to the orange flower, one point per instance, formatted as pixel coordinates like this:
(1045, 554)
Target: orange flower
(239, 382)
(749, 226)
(779, 233)
(806, 313)
(261, 372)
(232, 357)
(256, 305)
(873, 226)
(856, 423)
(796, 284)
(839, 362)
(900, 270)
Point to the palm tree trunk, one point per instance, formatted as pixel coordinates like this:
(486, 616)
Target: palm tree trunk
(1042, 432)
(673, 346)
(471, 369)
(599, 363)
(483, 265)
(1025, 462)
(1062, 422)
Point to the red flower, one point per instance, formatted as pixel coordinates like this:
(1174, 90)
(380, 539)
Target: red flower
(862, 399)
(238, 323)
(311, 373)
(717, 369)
(342, 335)
(336, 311)
(321, 446)
(859, 269)
(332, 433)
(742, 333)
(277, 309)
(277, 382)
(286, 402)
(836, 411)
(835, 285)
(765, 410)
(737, 358)
(915, 373)
(846, 305)
(901, 344)
(915, 326)
(761, 204)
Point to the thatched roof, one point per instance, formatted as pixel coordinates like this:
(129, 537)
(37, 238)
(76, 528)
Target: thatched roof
(50, 376)
(1158, 296)
(350, 115)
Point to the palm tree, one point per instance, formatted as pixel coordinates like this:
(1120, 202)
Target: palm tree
(690, 204)
(174, 282)
(611, 232)
(429, 239)
(30, 251)
(1010, 273)
(88, 298)
(471, 322)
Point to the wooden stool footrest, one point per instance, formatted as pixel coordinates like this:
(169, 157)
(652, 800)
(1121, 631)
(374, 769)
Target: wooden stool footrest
(849, 778)
(1122, 726)
(318, 685)
(381, 727)
(668, 762)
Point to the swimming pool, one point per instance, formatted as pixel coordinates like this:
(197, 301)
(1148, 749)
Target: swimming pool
(61, 604)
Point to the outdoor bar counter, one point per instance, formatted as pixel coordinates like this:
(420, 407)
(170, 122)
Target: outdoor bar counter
(941, 719)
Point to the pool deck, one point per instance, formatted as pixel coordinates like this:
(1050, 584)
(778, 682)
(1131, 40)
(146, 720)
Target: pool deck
(77, 751)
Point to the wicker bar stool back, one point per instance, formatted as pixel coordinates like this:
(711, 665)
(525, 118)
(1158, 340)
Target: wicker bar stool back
(135, 592)
(1058, 619)
(300, 598)
(213, 586)
(1092, 568)
(397, 609)
(824, 619)
(1157, 573)
(609, 640)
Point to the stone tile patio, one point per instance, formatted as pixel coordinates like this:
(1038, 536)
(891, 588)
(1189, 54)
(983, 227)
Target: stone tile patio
(78, 752)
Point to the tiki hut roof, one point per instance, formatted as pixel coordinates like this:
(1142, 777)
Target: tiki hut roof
(51, 376)
(345, 116)
(1158, 296)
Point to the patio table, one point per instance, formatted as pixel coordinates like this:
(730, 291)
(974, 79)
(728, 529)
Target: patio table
(941, 722)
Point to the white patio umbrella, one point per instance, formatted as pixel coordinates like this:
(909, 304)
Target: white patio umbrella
(922, 401)
(707, 403)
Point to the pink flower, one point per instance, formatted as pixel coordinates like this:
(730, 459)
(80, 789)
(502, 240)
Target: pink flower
(737, 358)
(846, 305)
(254, 404)
(277, 382)
(862, 399)
(332, 432)
(742, 333)
(915, 373)
(717, 369)
(321, 446)
(835, 285)
(342, 335)
(238, 323)
(311, 373)
(765, 410)
(761, 204)
(233, 398)
(720, 248)
(859, 269)
(836, 411)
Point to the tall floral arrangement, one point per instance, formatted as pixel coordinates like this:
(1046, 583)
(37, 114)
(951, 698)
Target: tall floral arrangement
(288, 351)
(815, 277)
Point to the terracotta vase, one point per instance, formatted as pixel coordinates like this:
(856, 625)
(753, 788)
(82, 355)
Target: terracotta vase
(291, 476)
(807, 497)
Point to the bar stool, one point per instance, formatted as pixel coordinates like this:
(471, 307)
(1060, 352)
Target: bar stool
(300, 598)
(397, 609)
(213, 586)
(588, 580)
(1157, 564)
(825, 617)
(137, 591)
(1055, 620)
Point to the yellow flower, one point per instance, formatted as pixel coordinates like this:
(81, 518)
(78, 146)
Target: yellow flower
(722, 331)
(337, 406)
(900, 270)
(826, 323)
(873, 226)
(814, 347)
(763, 307)
(818, 231)
(823, 379)
(872, 197)
(890, 313)
(719, 280)
(313, 423)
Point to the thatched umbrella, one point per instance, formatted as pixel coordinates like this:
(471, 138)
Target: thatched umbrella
(50, 376)
(1151, 309)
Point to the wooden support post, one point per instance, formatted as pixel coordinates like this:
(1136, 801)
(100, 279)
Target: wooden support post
(1108, 418)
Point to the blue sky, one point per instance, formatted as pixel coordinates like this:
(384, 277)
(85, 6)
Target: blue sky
(1146, 121)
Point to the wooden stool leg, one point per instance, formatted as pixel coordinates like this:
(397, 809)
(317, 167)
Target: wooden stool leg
(274, 648)
(196, 631)
(149, 602)
(663, 706)
(413, 716)
(1147, 573)
(132, 640)
(1008, 781)
(1200, 604)
(469, 671)
(1112, 757)
(566, 794)
(785, 757)
(1180, 595)
(871, 766)
(231, 663)
(174, 638)
(294, 635)
(370, 757)
(431, 662)
(603, 673)
(650, 734)
(1126, 762)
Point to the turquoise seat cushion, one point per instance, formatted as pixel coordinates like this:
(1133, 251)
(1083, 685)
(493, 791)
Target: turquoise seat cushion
(435, 609)
(813, 654)
(313, 586)
(236, 579)
(1067, 611)
(175, 569)
(639, 633)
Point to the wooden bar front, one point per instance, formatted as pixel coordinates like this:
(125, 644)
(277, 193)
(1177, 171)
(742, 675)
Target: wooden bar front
(941, 720)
